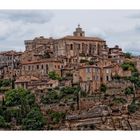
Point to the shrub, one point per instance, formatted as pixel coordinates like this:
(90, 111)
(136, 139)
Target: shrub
(56, 117)
(119, 100)
(70, 90)
(84, 61)
(34, 120)
(54, 76)
(18, 96)
(132, 108)
(128, 66)
(129, 91)
(103, 88)
(2, 122)
(116, 77)
(92, 62)
(5, 83)
(128, 55)
(51, 97)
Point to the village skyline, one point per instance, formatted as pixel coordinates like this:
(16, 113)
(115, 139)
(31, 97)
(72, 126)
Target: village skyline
(117, 27)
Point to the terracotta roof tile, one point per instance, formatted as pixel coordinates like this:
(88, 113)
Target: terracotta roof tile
(83, 38)
(40, 61)
(26, 79)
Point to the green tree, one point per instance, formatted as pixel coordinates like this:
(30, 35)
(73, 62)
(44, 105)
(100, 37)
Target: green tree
(17, 96)
(116, 77)
(133, 107)
(5, 83)
(56, 117)
(70, 90)
(129, 91)
(2, 122)
(103, 88)
(119, 100)
(34, 120)
(84, 61)
(129, 66)
(54, 76)
(128, 55)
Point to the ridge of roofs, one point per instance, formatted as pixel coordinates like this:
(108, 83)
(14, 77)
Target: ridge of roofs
(82, 38)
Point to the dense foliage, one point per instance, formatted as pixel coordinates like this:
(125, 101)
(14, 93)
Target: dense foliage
(128, 55)
(134, 106)
(119, 100)
(129, 66)
(54, 96)
(129, 91)
(103, 88)
(2, 122)
(18, 97)
(135, 79)
(84, 61)
(5, 83)
(56, 117)
(19, 108)
(54, 76)
(34, 120)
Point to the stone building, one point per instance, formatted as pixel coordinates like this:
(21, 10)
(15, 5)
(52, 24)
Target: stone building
(106, 74)
(116, 54)
(35, 84)
(9, 58)
(78, 59)
(90, 78)
(41, 68)
(9, 64)
(78, 44)
(37, 49)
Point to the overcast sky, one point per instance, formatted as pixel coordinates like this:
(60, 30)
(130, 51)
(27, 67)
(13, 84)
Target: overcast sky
(117, 27)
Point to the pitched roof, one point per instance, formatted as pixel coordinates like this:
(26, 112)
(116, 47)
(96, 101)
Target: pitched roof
(26, 79)
(88, 66)
(39, 61)
(82, 38)
(10, 53)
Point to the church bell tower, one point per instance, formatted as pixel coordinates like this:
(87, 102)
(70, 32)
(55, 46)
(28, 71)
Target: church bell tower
(79, 32)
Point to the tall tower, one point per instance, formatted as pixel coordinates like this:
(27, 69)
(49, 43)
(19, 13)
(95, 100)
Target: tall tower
(79, 32)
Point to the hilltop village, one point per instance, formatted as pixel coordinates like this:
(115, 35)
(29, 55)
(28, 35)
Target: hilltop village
(78, 82)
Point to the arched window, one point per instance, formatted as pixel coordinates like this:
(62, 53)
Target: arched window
(71, 46)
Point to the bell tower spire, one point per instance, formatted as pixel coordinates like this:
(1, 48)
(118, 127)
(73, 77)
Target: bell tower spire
(78, 32)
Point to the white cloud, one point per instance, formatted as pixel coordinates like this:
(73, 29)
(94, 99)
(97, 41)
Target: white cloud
(119, 27)
(26, 16)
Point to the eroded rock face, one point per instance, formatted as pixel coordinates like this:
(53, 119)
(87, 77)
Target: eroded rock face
(106, 112)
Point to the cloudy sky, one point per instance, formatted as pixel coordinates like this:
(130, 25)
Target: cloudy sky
(121, 27)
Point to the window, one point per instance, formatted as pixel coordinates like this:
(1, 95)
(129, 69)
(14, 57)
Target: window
(71, 47)
(88, 78)
(37, 66)
(88, 70)
(107, 70)
(107, 78)
(96, 70)
(42, 66)
(28, 67)
(96, 78)
(79, 47)
(46, 66)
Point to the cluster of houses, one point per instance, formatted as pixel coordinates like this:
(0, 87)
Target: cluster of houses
(77, 59)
